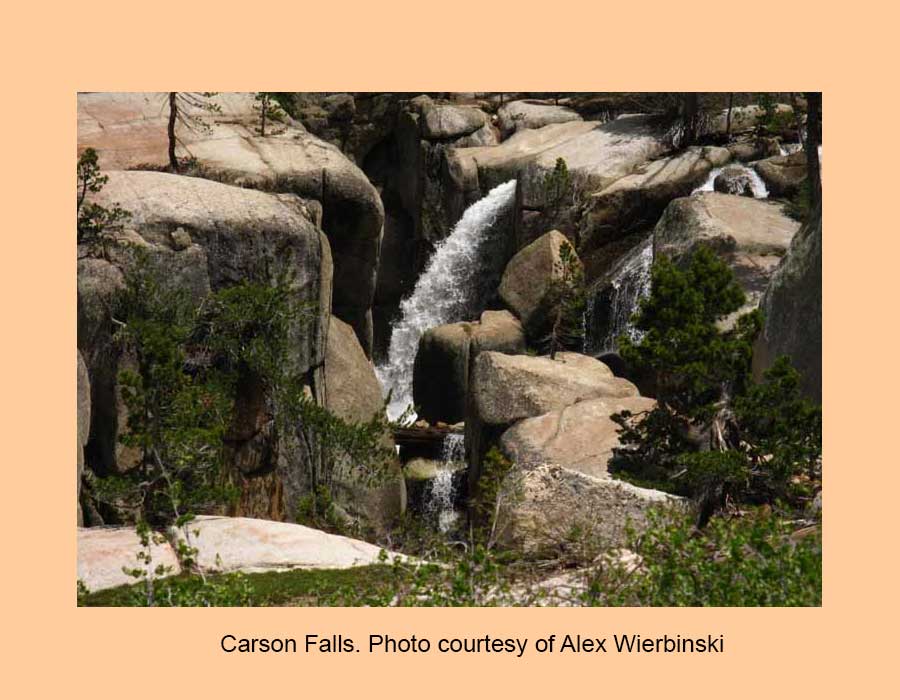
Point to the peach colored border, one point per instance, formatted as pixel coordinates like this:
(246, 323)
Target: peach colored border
(52, 649)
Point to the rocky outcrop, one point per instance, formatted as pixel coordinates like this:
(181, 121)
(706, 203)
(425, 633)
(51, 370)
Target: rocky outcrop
(792, 310)
(504, 389)
(783, 175)
(237, 234)
(752, 235)
(250, 545)
(528, 282)
(580, 437)
(754, 148)
(596, 154)
(744, 118)
(546, 509)
(224, 545)
(83, 413)
(352, 392)
(734, 180)
(410, 168)
(441, 370)
(636, 200)
(532, 114)
(129, 131)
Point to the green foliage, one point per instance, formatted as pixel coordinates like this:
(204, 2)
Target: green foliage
(692, 360)
(94, 219)
(780, 430)
(555, 185)
(735, 561)
(488, 493)
(774, 121)
(714, 434)
(176, 419)
(568, 297)
(269, 109)
(192, 364)
(752, 559)
(318, 510)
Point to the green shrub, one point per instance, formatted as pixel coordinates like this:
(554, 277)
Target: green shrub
(734, 561)
(93, 219)
(714, 433)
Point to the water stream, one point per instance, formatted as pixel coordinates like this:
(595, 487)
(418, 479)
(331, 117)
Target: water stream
(618, 299)
(756, 183)
(449, 290)
(442, 498)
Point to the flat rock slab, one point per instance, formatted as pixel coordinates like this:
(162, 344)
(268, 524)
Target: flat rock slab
(225, 545)
(104, 551)
(251, 545)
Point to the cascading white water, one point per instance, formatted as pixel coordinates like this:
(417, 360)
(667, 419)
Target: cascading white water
(441, 501)
(446, 292)
(629, 283)
(756, 183)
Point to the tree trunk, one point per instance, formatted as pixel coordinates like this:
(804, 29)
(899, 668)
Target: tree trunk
(265, 109)
(173, 115)
(813, 140)
(728, 118)
(689, 110)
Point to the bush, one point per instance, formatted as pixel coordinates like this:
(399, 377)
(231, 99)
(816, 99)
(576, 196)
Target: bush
(714, 434)
(93, 219)
(734, 561)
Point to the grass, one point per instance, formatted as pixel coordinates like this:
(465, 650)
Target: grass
(371, 585)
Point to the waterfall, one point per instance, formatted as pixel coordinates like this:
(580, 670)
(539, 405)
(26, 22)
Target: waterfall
(449, 290)
(756, 184)
(627, 284)
(441, 501)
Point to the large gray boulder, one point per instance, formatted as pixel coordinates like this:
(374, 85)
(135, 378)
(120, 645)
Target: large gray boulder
(783, 175)
(752, 235)
(546, 510)
(596, 154)
(734, 180)
(441, 122)
(83, 422)
(353, 393)
(637, 199)
(532, 114)
(792, 310)
(237, 234)
(581, 437)
(129, 130)
(508, 388)
(441, 369)
(504, 389)
(528, 282)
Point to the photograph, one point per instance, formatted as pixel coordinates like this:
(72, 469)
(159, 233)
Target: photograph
(448, 349)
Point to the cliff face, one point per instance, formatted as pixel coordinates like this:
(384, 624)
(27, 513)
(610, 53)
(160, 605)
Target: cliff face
(129, 132)
(206, 236)
(792, 305)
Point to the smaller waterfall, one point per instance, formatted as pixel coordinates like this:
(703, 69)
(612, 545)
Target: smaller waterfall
(450, 289)
(756, 184)
(618, 300)
(441, 501)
